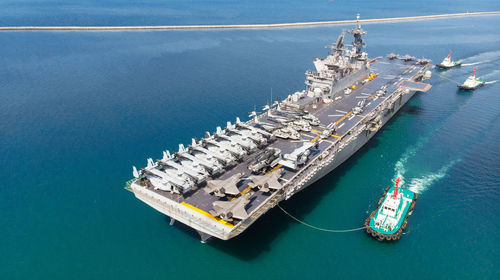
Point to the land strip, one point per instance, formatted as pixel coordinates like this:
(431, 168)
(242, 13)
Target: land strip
(236, 26)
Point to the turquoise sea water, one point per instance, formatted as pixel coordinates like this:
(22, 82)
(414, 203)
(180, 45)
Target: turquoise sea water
(78, 109)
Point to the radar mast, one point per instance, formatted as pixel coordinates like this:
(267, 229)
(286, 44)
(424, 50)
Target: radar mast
(358, 44)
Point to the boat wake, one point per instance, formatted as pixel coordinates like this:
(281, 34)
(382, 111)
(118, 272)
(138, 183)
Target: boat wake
(490, 82)
(476, 63)
(400, 167)
(421, 184)
(492, 74)
(482, 57)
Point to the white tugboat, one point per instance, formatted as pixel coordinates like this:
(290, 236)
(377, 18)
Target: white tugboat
(472, 82)
(447, 63)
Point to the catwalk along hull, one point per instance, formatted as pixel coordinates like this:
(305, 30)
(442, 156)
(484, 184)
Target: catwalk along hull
(357, 144)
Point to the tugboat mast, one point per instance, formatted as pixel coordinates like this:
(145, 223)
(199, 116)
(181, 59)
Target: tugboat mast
(394, 196)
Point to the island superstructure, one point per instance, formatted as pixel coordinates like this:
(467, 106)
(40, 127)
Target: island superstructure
(221, 184)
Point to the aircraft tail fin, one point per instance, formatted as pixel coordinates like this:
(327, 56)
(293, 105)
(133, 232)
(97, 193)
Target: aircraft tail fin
(182, 148)
(151, 163)
(135, 172)
(219, 130)
(166, 155)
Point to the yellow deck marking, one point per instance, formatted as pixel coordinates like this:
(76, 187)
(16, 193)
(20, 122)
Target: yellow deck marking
(242, 193)
(316, 131)
(409, 68)
(274, 169)
(335, 136)
(245, 190)
(343, 118)
(207, 214)
(371, 96)
(315, 138)
(250, 187)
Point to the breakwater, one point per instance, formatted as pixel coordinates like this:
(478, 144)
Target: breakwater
(236, 26)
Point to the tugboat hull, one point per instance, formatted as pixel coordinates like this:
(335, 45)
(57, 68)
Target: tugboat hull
(469, 88)
(378, 231)
(445, 67)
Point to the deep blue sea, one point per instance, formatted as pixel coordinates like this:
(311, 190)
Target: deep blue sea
(78, 109)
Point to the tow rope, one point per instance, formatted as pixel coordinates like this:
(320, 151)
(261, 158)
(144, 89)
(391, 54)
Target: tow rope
(318, 228)
(444, 77)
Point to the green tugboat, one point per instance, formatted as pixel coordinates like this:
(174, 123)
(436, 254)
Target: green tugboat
(389, 221)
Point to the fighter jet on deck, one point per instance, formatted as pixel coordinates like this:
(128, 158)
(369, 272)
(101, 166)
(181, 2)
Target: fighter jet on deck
(408, 57)
(225, 186)
(392, 56)
(227, 210)
(267, 182)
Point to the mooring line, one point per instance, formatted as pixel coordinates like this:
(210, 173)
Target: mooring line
(318, 228)
(444, 77)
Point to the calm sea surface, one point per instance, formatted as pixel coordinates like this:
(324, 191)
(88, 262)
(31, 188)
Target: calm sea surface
(78, 109)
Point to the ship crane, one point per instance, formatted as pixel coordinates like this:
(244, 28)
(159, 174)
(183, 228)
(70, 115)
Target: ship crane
(339, 45)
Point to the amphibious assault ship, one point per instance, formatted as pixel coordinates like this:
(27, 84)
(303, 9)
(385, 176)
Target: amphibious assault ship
(217, 186)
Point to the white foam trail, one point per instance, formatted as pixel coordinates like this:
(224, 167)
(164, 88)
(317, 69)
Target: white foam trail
(400, 167)
(492, 74)
(493, 55)
(419, 185)
(476, 63)
(490, 82)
